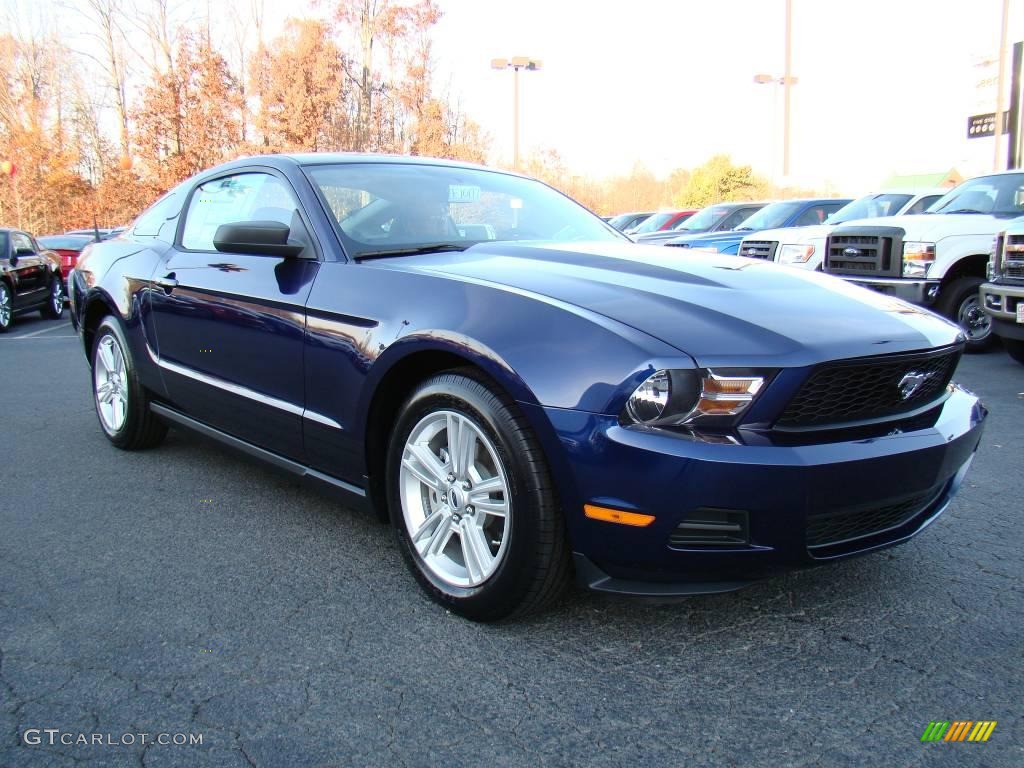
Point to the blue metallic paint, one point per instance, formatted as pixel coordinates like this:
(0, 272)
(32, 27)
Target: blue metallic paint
(568, 331)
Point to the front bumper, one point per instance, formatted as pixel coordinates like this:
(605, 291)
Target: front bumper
(1001, 302)
(779, 487)
(923, 292)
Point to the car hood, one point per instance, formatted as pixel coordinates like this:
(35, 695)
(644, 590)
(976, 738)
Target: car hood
(792, 235)
(721, 310)
(710, 238)
(932, 227)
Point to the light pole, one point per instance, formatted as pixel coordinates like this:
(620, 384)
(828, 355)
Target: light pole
(515, 64)
(785, 81)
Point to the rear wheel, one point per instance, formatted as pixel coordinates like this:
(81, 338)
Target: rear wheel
(961, 304)
(6, 307)
(472, 502)
(1015, 348)
(122, 404)
(54, 307)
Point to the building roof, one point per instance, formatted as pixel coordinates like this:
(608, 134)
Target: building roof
(944, 179)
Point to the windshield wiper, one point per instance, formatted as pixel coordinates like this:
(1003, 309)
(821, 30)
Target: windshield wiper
(415, 250)
(743, 229)
(962, 210)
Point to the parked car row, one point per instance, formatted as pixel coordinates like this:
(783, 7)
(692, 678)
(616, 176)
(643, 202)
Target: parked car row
(928, 247)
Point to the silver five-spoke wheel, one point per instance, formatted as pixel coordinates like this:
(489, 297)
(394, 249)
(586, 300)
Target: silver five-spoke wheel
(110, 382)
(57, 296)
(5, 306)
(455, 499)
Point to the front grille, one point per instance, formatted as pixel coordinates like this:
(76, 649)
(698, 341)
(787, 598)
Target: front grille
(870, 388)
(865, 251)
(679, 245)
(831, 528)
(759, 249)
(1014, 269)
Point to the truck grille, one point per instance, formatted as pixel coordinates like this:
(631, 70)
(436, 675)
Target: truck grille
(828, 529)
(869, 389)
(759, 249)
(865, 251)
(1013, 256)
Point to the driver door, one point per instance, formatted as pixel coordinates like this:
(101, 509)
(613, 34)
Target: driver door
(28, 271)
(230, 326)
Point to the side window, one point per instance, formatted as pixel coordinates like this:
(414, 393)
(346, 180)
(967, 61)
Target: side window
(20, 240)
(922, 205)
(160, 219)
(733, 219)
(243, 197)
(813, 215)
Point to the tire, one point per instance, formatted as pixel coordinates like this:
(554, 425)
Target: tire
(54, 307)
(6, 307)
(1015, 349)
(525, 566)
(122, 403)
(960, 302)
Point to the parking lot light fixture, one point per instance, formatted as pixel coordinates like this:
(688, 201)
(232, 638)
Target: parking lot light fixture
(516, 63)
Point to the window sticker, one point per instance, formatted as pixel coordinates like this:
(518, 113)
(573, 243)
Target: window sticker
(463, 193)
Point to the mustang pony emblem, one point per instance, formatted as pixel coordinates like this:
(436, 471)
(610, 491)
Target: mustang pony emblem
(912, 382)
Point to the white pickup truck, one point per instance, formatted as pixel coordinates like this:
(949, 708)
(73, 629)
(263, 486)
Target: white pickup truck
(805, 246)
(936, 259)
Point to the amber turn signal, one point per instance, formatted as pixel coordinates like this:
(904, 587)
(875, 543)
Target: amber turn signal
(617, 516)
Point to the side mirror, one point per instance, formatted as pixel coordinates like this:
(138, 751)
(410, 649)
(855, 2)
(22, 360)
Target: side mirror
(24, 251)
(264, 238)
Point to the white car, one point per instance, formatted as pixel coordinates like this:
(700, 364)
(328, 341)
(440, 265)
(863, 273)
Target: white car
(805, 246)
(937, 259)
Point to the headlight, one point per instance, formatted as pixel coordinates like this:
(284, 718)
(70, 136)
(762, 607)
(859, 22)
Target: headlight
(678, 397)
(917, 258)
(795, 254)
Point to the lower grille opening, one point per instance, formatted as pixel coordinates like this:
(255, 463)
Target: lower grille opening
(836, 528)
(707, 527)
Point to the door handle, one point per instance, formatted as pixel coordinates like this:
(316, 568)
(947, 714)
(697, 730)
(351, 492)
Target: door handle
(167, 282)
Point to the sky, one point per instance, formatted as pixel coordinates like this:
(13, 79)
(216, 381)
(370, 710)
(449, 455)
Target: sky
(884, 86)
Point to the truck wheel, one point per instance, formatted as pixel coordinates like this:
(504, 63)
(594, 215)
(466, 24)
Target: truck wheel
(960, 302)
(1015, 348)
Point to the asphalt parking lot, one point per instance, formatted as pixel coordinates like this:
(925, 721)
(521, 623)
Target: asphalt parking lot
(189, 590)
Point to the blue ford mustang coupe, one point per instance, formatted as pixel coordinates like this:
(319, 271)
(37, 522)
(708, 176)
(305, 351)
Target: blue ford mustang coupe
(518, 388)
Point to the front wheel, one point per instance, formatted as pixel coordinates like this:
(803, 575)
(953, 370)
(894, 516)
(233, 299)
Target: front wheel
(472, 502)
(54, 307)
(961, 303)
(1015, 348)
(122, 404)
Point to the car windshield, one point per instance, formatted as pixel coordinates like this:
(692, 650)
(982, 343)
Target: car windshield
(704, 219)
(771, 216)
(870, 207)
(620, 221)
(387, 209)
(1000, 195)
(655, 222)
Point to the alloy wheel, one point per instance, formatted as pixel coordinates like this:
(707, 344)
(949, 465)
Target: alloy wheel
(110, 381)
(5, 306)
(454, 493)
(57, 296)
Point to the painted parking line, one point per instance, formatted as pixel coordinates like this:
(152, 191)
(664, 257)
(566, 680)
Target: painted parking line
(33, 334)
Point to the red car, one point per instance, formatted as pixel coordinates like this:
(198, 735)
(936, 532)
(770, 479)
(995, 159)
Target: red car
(69, 247)
(660, 221)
